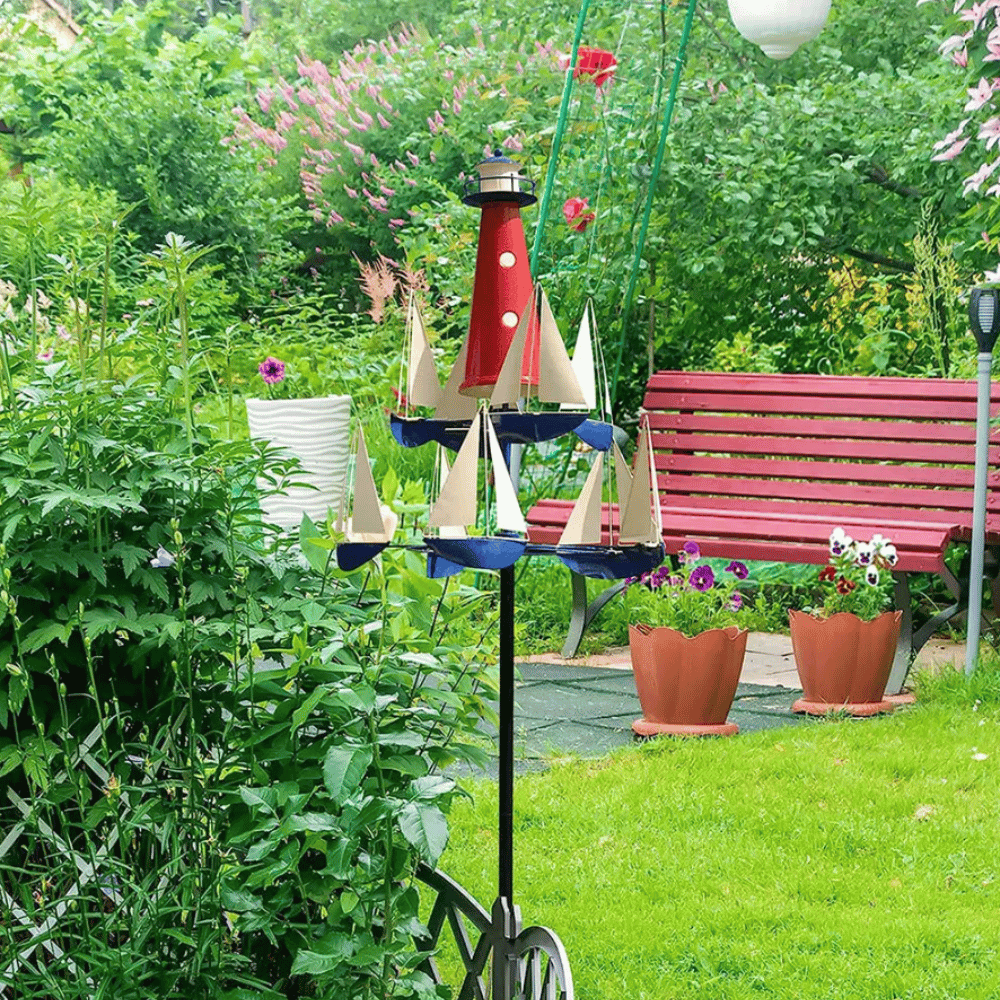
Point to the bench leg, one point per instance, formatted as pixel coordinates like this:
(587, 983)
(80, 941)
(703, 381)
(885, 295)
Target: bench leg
(904, 647)
(583, 614)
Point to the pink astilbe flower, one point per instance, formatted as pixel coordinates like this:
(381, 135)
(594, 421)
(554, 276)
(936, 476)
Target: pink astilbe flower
(377, 282)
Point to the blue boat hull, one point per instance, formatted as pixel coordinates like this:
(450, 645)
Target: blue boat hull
(484, 552)
(351, 555)
(512, 427)
(602, 563)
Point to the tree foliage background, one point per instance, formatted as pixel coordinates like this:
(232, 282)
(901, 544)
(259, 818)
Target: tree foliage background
(799, 221)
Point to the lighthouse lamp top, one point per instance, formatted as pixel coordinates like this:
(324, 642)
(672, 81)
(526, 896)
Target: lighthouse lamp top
(498, 179)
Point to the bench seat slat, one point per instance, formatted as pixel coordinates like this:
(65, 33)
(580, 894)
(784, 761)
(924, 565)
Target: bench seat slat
(885, 450)
(920, 548)
(556, 512)
(876, 516)
(814, 427)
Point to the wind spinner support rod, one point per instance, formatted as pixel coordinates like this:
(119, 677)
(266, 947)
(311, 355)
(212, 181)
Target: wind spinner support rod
(505, 866)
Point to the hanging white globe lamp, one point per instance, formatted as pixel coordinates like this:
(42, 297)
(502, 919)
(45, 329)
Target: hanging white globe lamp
(779, 27)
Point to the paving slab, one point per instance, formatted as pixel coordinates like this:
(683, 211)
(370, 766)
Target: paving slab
(585, 706)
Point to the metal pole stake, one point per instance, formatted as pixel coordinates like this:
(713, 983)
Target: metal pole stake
(979, 511)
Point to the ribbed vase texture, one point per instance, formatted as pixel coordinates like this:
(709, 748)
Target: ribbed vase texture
(316, 431)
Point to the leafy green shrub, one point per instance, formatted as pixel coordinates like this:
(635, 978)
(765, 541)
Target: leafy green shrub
(94, 484)
(269, 850)
(340, 794)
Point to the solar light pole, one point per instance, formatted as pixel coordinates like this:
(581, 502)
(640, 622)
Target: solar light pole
(984, 317)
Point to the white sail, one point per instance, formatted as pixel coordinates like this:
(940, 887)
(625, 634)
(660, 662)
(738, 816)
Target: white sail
(422, 386)
(583, 363)
(507, 390)
(584, 524)
(447, 530)
(453, 405)
(508, 510)
(557, 382)
(639, 524)
(456, 503)
(623, 476)
(371, 520)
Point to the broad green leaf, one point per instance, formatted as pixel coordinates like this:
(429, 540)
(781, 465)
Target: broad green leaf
(343, 769)
(425, 828)
(239, 900)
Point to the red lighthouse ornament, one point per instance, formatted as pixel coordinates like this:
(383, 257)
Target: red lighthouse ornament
(502, 289)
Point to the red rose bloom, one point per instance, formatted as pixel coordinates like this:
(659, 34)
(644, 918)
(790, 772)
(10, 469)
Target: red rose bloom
(576, 214)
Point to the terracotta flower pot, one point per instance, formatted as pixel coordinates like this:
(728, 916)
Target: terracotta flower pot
(844, 662)
(686, 686)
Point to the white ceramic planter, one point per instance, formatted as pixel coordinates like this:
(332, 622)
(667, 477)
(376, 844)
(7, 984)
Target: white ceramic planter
(777, 26)
(318, 433)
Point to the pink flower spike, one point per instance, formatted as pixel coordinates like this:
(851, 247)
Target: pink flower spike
(979, 95)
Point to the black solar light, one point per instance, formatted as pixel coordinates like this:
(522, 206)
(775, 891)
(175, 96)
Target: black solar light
(984, 316)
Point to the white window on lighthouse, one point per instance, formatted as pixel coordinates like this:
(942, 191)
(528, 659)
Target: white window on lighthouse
(509, 319)
(507, 259)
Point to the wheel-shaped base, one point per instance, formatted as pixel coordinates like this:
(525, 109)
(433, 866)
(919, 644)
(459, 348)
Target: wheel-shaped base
(643, 728)
(860, 710)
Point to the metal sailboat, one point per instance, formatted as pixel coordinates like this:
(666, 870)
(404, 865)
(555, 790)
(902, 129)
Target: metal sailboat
(371, 524)
(592, 548)
(456, 512)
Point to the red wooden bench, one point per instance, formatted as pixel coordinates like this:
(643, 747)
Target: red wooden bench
(765, 466)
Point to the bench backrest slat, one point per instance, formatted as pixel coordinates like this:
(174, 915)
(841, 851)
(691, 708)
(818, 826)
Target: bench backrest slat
(815, 427)
(820, 406)
(826, 386)
(900, 451)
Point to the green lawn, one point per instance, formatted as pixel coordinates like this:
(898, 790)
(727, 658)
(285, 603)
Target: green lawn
(842, 859)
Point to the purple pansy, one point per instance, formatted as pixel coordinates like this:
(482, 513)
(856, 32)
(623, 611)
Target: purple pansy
(702, 578)
(738, 569)
(690, 552)
(271, 370)
(735, 602)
